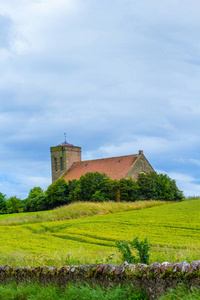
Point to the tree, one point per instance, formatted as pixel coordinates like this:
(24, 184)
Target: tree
(14, 205)
(57, 194)
(36, 204)
(73, 185)
(31, 202)
(147, 185)
(35, 192)
(87, 186)
(128, 189)
(107, 189)
(158, 186)
(3, 207)
(39, 202)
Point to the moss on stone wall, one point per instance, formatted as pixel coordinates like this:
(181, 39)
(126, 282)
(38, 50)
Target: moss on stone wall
(155, 279)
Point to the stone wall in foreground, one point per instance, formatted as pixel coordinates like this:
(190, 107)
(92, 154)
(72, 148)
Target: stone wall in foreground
(155, 279)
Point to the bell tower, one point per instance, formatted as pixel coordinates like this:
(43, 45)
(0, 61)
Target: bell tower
(62, 158)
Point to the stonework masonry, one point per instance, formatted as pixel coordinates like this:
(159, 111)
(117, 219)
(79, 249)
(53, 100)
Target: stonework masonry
(155, 279)
(66, 163)
(62, 158)
(140, 165)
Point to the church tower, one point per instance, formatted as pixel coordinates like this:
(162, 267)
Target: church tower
(62, 158)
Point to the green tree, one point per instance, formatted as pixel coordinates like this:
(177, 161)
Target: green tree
(178, 195)
(31, 202)
(40, 202)
(158, 186)
(147, 185)
(34, 192)
(88, 185)
(73, 185)
(98, 196)
(107, 189)
(14, 205)
(128, 190)
(57, 194)
(36, 204)
(3, 206)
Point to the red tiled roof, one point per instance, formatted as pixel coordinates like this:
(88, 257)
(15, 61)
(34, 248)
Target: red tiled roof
(113, 167)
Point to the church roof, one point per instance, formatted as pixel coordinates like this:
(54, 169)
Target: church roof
(65, 143)
(113, 167)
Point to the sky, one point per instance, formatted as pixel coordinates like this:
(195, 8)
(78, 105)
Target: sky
(115, 76)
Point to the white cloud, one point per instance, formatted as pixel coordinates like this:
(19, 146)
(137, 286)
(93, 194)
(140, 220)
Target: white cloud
(35, 19)
(195, 161)
(116, 77)
(186, 183)
(151, 145)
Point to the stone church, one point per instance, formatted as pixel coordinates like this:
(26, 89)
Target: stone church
(66, 163)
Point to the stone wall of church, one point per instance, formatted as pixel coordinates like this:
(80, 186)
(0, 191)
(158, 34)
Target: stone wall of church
(140, 165)
(62, 158)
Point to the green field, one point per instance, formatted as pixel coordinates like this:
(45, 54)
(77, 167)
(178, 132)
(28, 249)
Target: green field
(172, 229)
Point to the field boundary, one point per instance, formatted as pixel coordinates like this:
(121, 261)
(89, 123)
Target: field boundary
(155, 279)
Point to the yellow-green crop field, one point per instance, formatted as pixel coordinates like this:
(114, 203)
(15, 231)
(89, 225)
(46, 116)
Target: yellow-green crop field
(173, 230)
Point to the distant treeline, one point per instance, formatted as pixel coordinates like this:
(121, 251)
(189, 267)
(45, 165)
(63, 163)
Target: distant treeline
(94, 187)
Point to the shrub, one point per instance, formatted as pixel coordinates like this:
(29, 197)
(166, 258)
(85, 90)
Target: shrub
(142, 247)
(14, 205)
(37, 203)
(158, 186)
(3, 206)
(35, 192)
(98, 196)
(72, 185)
(88, 184)
(128, 189)
(126, 252)
(57, 194)
(107, 188)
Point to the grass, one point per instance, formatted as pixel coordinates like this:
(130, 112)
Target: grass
(36, 291)
(173, 230)
(76, 210)
(72, 292)
(182, 293)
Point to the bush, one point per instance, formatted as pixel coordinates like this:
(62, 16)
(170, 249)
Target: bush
(98, 196)
(158, 187)
(126, 252)
(107, 188)
(128, 189)
(72, 185)
(3, 206)
(57, 194)
(37, 203)
(14, 205)
(142, 247)
(88, 184)
(35, 192)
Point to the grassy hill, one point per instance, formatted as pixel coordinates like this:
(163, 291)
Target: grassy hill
(172, 229)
